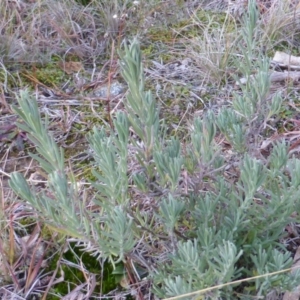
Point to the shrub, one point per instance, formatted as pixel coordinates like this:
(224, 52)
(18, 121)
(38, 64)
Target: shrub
(170, 208)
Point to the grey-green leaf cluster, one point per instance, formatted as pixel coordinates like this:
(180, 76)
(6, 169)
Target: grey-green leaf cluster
(187, 213)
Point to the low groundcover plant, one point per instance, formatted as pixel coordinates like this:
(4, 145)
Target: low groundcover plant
(166, 206)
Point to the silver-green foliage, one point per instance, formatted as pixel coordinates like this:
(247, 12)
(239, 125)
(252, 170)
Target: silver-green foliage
(110, 153)
(237, 231)
(108, 234)
(211, 231)
(238, 225)
(251, 108)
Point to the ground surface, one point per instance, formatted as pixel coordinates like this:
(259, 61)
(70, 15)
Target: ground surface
(70, 62)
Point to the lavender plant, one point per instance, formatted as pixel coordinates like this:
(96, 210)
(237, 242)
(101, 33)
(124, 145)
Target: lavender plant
(209, 231)
(252, 107)
(60, 205)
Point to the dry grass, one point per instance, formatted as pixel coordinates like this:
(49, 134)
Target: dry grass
(39, 29)
(34, 32)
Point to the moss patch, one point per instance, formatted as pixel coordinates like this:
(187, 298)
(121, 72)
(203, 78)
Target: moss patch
(74, 276)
